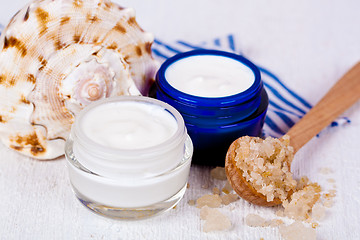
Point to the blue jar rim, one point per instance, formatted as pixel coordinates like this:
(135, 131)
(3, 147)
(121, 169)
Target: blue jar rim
(254, 117)
(231, 100)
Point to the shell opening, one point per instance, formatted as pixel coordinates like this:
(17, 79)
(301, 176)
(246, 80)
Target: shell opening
(94, 81)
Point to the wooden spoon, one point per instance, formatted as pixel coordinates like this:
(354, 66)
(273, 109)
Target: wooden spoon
(339, 98)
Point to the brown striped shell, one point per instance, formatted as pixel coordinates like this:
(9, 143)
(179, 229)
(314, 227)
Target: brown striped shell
(57, 56)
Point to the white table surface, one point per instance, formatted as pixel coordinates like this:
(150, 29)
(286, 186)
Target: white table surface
(308, 44)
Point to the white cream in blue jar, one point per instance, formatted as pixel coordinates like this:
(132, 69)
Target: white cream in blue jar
(209, 76)
(220, 96)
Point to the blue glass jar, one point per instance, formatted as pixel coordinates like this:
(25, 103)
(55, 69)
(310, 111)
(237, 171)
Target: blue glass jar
(213, 123)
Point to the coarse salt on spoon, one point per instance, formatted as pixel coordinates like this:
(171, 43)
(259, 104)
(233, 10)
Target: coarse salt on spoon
(267, 180)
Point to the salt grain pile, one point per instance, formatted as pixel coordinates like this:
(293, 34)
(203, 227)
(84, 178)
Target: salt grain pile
(306, 208)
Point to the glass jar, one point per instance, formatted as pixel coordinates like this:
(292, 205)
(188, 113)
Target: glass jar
(128, 182)
(213, 123)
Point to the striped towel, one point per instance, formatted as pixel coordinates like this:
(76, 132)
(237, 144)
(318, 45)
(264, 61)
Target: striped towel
(286, 107)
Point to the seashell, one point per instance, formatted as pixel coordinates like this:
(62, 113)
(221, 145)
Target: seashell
(56, 57)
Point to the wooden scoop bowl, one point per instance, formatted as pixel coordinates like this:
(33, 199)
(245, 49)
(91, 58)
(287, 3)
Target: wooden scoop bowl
(339, 98)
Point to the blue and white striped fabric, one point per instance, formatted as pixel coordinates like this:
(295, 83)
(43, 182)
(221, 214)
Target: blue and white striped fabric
(285, 106)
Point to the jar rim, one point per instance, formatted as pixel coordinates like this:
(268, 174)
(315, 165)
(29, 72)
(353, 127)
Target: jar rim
(210, 101)
(186, 159)
(83, 139)
(254, 117)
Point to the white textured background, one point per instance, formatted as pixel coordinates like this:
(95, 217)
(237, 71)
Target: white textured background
(308, 44)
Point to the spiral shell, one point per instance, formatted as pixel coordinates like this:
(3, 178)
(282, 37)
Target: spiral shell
(57, 56)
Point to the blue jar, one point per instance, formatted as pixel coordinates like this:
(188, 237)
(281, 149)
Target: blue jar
(213, 123)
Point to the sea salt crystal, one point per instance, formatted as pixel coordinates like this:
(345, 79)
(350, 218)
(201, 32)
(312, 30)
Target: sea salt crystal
(325, 170)
(303, 182)
(333, 191)
(254, 220)
(213, 201)
(204, 212)
(331, 180)
(229, 198)
(275, 222)
(297, 231)
(218, 173)
(216, 191)
(328, 203)
(191, 202)
(318, 212)
(214, 220)
(227, 188)
(330, 195)
(314, 225)
(302, 202)
(279, 213)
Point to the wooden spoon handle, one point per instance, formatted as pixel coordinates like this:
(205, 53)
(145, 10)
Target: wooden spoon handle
(339, 98)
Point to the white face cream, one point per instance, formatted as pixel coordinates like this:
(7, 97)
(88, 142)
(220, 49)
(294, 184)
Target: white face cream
(209, 76)
(129, 125)
(129, 157)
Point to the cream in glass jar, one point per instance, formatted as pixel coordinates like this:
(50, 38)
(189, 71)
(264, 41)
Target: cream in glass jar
(129, 157)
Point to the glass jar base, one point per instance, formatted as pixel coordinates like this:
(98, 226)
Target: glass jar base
(131, 213)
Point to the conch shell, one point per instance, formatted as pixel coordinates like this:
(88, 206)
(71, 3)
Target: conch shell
(57, 56)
